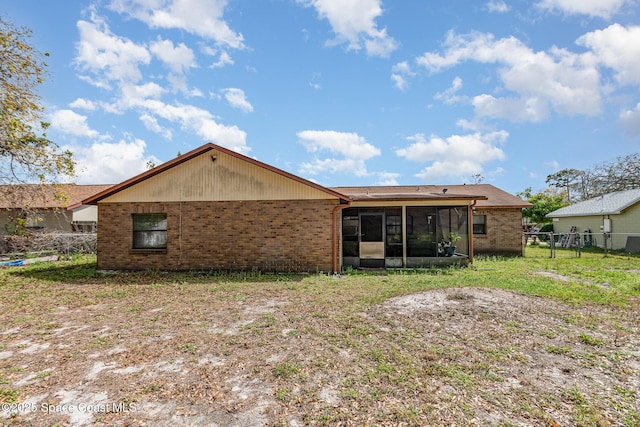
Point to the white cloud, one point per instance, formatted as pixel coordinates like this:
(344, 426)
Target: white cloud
(133, 96)
(618, 48)
(107, 56)
(110, 163)
(471, 125)
(223, 59)
(147, 90)
(348, 144)
(333, 165)
(387, 178)
(601, 8)
(351, 150)
(399, 74)
(72, 123)
(83, 104)
(178, 58)
(201, 122)
(630, 121)
(146, 100)
(178, 83)
(201, 17)
(566, 82)
(353, 22)
(449, 96)
(237, 99)
(315, 81)
(152, 124)
(553, 164)
(455, 156)
(497, 6)
(399, 81)
(531, 109)
(115, 63)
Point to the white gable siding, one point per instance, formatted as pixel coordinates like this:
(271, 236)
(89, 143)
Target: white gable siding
(228, 178)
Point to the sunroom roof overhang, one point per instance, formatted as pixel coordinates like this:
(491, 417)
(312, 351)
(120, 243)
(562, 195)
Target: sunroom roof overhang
(403, 198)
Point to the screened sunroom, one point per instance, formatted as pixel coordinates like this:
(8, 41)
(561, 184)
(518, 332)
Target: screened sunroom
(410, 229)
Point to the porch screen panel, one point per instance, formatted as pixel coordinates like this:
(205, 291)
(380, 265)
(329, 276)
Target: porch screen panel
(350, 245)
(393, 233)
(421, 231)
(454, 220)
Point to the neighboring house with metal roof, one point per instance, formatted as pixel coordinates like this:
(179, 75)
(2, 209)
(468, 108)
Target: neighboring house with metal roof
(213, 208)
(617, 213)
(43, 207)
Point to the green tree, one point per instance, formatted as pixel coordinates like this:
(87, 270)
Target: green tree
(543, 202)
(26, 155)
(565, 179)
(620, 174)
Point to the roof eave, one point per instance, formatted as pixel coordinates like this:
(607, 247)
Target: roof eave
(569, 215)
(503, 206)
(412, 199)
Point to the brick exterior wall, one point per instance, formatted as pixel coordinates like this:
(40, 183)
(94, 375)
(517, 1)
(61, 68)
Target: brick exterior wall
(287, 236)
(504, 232)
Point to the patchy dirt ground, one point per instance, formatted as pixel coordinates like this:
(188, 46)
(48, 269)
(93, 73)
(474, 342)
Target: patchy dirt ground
(310, 352)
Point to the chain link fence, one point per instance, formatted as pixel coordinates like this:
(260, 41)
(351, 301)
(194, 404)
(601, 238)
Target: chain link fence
(35, 244)
(572, 245)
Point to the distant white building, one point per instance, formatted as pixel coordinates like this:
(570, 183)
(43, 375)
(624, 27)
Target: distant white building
(617, 213)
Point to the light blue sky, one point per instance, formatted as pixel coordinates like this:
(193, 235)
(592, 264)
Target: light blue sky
(343, 92)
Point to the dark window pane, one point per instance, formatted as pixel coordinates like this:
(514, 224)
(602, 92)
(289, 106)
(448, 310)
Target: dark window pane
(143, 222)
(350, 249)
(479, 224)
(350, 228)
(150, 231)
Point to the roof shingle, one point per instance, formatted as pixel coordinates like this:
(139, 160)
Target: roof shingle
(46, 196)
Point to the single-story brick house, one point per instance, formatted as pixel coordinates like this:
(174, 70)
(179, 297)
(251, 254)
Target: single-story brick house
(44, 207)
(213, 208)
(617, 213)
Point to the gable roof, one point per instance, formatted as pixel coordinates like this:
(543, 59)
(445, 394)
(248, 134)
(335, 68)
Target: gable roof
(46, 196)
(607, 204)
(195, 153)
(487, 195)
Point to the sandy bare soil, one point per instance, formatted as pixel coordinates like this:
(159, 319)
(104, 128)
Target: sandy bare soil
(283, 355)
